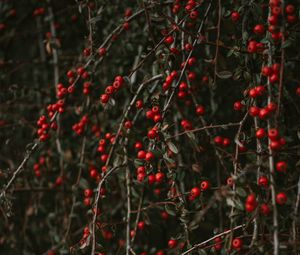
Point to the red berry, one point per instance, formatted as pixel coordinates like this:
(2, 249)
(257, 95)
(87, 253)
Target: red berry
(150, 114)
(238, 106)
(191, 76)
(128, 124)
(101, 52)
(281, 166)
(139, 104)
(253, 93)
(126, 26)
(274, 78)
(93, 173)
(237, 243)
(128, 13)
(249, 207)
(151, 179)
(259, 29)
(290, 9)
(172, 243)
(109, 90)
(152, 134)
(273, 134)
(260, 133)
(183, 86)
(80, 70)
(273, 20)
(265, 209)
(192, 61)
(169, 40)
(157, 118)
(229, 181)
(235, 16)
(252, 47)
(276, 68)
(263, 113)
(194, 14)
(205, 185)
(86, 52)
(155, 109)
(251, 199)
(195, 192)
(291, 19)
(281, 198)
(164, 215)
(149, 156)
(104, 98)
(141, 177)
(188, 47)
(141, 154)
(187, 125)
(104, 157)
(70, 74)
(138, 145)
(218, 140)
(272, 107)
(200, 110)
(254, 111)
(275, 145)
(159, 177)
(260, 90)
(88, 192)
(298, 91)
(266, 71)
(181, 94)
(263, 181)
(141, 225)
(226, 142)
(141, 170)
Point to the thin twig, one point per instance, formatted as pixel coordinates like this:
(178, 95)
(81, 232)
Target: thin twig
(197, 246)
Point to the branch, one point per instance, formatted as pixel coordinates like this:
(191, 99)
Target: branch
(20, 168)
(196, 246)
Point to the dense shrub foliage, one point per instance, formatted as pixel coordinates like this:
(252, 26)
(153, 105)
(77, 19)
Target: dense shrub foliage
(149, 127)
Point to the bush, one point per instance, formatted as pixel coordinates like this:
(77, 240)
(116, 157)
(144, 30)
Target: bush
(150, 127)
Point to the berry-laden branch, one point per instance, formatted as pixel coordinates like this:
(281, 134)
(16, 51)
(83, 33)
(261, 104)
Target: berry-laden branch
(172, 127)
(200, 245)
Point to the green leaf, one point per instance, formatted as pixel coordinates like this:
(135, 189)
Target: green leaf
(83, 183)
(241, 192)
(135, 193)
(138, 162)
(245, 36)
(170, 210)
(238, 204)
(191, 136)
(172, 147)
(286, 44)
(247, 76)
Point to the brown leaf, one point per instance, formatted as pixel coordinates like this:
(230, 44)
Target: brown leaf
(196, 168)
(48, 48)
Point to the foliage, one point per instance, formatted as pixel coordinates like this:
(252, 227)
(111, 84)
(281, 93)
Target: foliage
(149, 127)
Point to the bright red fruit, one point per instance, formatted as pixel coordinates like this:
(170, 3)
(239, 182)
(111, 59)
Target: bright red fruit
(195, 192)
(281, 198)
(281, 166)
(237, 243)
(263, 181)
(172, 243)
(235, 16)
(260, 133)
